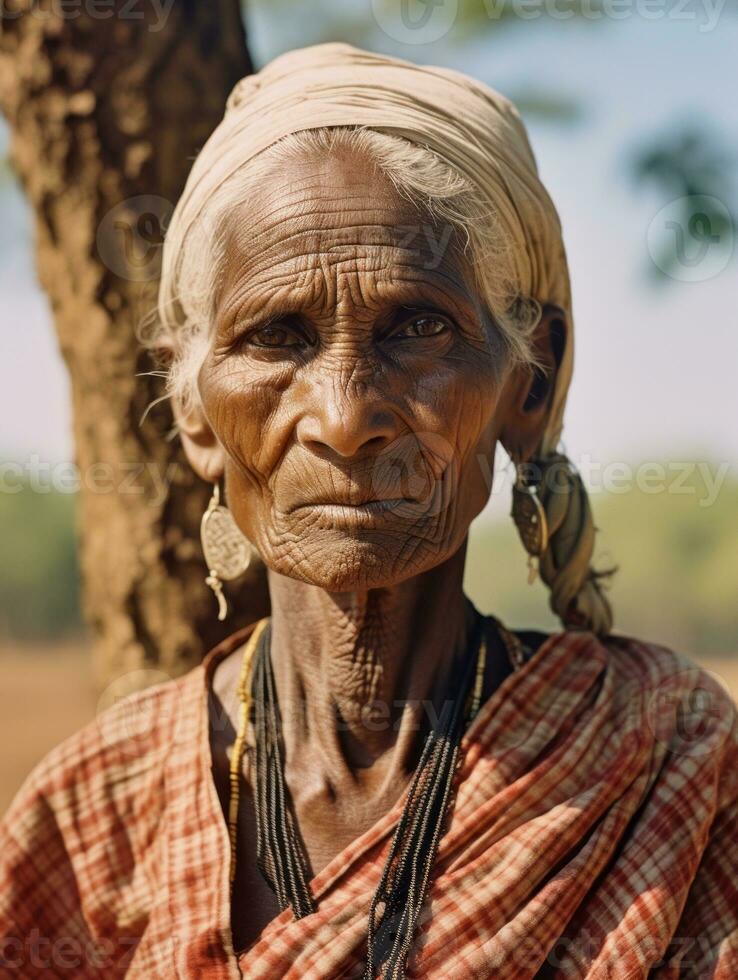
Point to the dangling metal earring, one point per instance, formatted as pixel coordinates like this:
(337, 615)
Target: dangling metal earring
(529, 516)
(227, 552)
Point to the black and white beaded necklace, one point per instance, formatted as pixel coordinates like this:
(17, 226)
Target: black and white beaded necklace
(395, 909)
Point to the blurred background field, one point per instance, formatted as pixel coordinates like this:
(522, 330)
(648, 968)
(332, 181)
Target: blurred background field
(627, 117)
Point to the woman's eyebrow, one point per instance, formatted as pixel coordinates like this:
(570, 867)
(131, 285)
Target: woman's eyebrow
(441, 293)
(292, 290)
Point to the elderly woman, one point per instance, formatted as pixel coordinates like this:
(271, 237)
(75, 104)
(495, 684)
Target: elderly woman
(365, 291)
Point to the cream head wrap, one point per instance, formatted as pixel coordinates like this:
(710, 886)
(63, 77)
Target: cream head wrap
(480, 135)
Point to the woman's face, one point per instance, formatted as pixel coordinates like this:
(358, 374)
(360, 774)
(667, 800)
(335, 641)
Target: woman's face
(353, 380)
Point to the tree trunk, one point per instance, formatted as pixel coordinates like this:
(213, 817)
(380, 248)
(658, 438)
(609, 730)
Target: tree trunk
(109, 101)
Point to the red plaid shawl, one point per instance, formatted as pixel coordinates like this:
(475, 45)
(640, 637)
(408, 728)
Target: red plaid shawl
(595, 834)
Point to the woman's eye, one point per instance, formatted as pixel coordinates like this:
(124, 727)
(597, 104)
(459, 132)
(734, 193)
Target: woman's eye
(423, 326)
(275, 336)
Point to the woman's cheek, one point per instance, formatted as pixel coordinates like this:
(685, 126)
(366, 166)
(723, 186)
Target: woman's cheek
(236, 401)
(457, 406)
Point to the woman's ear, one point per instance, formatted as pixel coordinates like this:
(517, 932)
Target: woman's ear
(202, 448)
(532, 387)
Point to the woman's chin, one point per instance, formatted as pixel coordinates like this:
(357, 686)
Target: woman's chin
(340, 562)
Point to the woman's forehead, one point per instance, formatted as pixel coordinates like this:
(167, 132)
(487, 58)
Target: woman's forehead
(327, 193)
(335, 214)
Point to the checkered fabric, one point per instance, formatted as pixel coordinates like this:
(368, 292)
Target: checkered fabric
(594, 834)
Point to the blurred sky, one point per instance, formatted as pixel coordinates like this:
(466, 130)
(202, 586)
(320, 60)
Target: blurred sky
(655, 364)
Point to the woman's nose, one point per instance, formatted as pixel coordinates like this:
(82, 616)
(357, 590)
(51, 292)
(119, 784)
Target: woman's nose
(347, 423)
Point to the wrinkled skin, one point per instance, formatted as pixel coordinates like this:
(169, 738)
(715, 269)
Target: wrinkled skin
(340, 401)
(352, 385)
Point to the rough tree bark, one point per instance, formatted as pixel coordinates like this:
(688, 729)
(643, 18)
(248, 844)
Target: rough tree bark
(108, 102)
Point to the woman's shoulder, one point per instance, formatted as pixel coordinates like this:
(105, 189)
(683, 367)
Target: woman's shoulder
(654, 662)
(631, 657)
(118, 759)
(90, 814)
(117, 762)
(687, 706)
(114, 762)
(663, 691)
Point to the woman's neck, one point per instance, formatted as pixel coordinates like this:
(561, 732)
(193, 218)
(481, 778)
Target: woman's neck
(358, 675)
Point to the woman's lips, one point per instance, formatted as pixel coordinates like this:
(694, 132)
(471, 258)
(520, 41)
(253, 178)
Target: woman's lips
(339, 512)
(373, 505)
